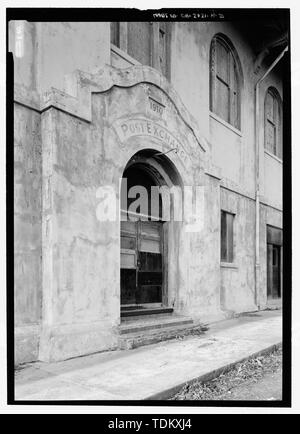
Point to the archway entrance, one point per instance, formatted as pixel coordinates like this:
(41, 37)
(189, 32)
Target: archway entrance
(144, 234)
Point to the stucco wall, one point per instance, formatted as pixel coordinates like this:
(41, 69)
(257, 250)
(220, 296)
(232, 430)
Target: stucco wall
(272, 183)
(27, 231)
(203, 295)
(53, 49)
(81, 300)
(272, 217)
(238, 278)
(190, 76)
(270, 166)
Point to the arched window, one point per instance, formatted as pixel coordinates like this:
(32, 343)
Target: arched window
(273, 122)
(225, 81)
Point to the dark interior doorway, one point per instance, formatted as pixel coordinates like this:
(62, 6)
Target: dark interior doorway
(141, 263)
(274, 263)
(142, 244)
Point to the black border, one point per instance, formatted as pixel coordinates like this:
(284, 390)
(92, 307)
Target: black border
(116, 14)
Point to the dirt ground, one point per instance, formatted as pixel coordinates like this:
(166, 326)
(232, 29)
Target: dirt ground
(256, 379)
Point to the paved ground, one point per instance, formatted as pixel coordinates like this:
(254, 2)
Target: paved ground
(148, 372)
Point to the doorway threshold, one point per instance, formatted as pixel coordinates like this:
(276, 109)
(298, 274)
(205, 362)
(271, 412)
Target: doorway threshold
(132, 311)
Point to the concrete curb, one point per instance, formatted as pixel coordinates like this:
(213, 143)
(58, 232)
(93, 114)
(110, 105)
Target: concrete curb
(166, 394)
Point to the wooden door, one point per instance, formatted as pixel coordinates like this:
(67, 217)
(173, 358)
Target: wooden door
(149, 279)
(141, 263)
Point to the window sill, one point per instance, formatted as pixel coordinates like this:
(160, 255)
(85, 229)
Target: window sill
(273, 156)
(226, 124)
(124, 55)
(228, 265)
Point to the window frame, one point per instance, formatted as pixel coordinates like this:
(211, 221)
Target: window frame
(155, 28)
(214, 77)
(230, 245)
(275, 122)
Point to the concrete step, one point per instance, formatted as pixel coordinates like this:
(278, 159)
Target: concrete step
(140, 338)
(131, 312)
(143, 324)
(147, 318)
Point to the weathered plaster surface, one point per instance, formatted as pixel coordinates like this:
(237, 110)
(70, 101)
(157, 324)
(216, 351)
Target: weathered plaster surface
(272, 181)
(203, 293)
(237, 279)
(27, 221)
(190, 76)
(53, 49)
(270, 166)
(272, 217)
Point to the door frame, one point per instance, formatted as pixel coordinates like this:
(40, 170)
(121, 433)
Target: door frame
(270, 271)
(164, 255)
(274, 239)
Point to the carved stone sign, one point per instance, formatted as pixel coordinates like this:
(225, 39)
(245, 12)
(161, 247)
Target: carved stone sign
(156, 106)
(146, 127)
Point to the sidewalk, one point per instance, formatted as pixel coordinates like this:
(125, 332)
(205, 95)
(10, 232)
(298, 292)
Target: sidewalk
(150, 372)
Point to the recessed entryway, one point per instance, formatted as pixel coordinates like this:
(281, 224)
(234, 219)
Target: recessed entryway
(144, 235)
(274, 264)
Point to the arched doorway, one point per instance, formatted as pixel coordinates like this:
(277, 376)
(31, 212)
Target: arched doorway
(144, 231)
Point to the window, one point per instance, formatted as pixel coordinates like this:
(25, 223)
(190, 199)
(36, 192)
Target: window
(146, 42)
(273, 122)
(115, 34)
(138, 42)
(226, 236)
(224, 81)
(162, 48)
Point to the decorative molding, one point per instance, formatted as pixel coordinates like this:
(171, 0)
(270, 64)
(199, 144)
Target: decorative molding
(79, 86)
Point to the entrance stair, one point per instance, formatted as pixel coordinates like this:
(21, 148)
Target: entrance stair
(151, 327)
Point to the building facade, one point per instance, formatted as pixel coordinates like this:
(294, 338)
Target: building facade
(170, 104)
